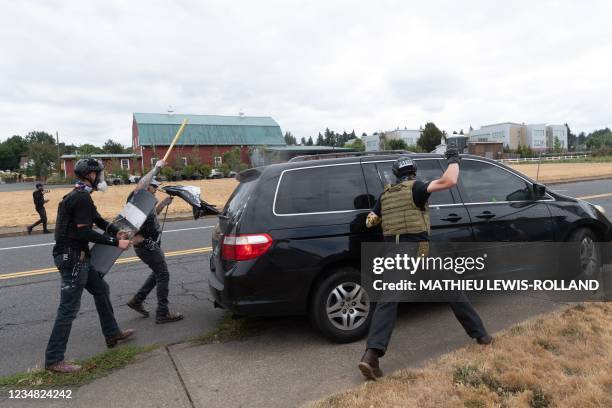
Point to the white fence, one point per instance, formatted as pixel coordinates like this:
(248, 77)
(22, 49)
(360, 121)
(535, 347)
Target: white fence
(546, 158)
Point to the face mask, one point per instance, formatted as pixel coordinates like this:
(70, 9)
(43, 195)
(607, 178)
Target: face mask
(101, 182)
(102, 187)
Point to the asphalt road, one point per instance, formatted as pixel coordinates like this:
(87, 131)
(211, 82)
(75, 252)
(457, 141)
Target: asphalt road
(28, 303)
(28, 186)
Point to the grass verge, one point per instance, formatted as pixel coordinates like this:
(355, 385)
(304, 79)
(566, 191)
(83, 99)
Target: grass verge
(562, 359)
(94, 367)
(229, 329)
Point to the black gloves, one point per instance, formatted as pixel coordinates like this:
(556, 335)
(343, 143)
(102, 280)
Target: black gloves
(452, 156)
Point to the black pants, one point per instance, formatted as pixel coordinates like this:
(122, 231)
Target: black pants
(385, 314)
(159, 277)
(75, 276)
(42, 213)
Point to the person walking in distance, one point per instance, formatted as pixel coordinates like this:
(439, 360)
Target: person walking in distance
(39, 204)
(402, 209)
(76, 216)
(147, 248)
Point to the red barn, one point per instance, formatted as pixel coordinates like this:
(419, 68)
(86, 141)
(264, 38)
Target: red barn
(129, 162)
(207, 137)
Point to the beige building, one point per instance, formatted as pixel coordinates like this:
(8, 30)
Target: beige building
(511, 135)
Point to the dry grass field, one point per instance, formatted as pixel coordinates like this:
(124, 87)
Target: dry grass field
(17, 208)
(562, 359)
(555, 172)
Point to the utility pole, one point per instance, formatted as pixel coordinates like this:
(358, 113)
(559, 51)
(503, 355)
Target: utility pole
(59, 166)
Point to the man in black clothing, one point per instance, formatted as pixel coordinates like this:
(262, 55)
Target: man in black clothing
(39, 204)
(147, 248)
(402, 209)
(76, 216)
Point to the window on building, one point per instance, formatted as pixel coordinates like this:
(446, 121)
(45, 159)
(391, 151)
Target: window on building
(184, 159)
(218, 161)
(125, 164)
(153, 161)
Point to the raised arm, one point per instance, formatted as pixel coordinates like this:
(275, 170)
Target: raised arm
(146, 179)
(450, 176)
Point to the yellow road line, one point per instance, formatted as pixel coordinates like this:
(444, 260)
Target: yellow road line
(43, 271)
(594, 196)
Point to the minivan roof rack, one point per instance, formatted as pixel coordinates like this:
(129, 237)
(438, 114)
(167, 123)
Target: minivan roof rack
(344, 154)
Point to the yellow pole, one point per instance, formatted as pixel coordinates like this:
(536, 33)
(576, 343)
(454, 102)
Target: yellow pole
(176, 138)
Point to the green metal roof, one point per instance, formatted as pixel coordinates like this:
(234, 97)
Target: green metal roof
(300, 148)
(159, 129)
(101, 156)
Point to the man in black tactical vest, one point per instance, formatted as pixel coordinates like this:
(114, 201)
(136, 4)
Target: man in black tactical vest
(402, 208)
(147, 247)
(76, 216)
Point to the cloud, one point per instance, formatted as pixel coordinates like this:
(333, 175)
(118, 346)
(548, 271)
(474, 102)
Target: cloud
(82, 68)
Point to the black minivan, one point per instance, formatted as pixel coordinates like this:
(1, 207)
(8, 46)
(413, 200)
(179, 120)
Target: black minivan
(288, 240)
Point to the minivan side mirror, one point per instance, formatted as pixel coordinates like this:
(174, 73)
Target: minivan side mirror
(539, 190)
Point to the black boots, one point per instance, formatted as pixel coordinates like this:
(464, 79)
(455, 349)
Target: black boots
(136, 305)
(484, 340)
(369, 365)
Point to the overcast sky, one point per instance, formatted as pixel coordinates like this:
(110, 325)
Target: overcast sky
(82, 68)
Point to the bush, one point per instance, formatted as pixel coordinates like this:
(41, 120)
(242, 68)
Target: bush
(205, 170)
(58, 179)
(602, 151)
(188, 171)
(225, 168)
(167, 172)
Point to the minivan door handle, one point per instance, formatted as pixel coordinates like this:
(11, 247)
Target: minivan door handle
(452, 218)
(485, 215)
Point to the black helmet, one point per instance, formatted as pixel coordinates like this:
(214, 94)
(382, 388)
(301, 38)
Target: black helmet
(404, 166)
(85, 166)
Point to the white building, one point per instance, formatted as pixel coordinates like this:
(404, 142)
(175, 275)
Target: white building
(558, 132)
(409, 136)
(511, 134)
(371, 143)
(508, 133)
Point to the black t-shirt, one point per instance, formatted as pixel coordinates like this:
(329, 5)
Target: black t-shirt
(420, 195)
(39, 199)
(80, 209)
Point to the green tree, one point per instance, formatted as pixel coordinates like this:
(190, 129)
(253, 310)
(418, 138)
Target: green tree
(233, 159)
(557, 145)
(43, 156)
(39, 137)
(303, 141)
(599, 138)
(395, 144)
(430, 137)
(88, 149)
(571, 139)
(310, 142)
(113, 147)
(10, 151)
(320, 140)
(357, 145)
(290, 139)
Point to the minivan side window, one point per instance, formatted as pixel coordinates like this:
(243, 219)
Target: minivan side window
(321, 189)
(427, 170)
(484, 183)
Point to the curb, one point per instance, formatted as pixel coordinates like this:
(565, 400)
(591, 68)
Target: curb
(21, 231)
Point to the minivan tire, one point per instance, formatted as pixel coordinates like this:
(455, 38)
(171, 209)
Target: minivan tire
(342, 290)
(588, 248)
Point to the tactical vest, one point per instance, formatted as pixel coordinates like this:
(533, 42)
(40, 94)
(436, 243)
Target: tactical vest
(399, 213)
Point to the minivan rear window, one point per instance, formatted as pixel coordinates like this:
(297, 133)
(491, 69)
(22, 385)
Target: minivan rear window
(238, 200)
(321, 189)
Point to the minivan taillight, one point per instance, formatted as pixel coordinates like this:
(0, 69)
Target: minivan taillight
(245, 247)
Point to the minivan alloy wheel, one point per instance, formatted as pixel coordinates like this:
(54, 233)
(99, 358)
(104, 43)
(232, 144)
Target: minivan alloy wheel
(348, 306)
(588, 256)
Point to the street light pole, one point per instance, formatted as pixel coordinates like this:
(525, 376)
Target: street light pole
(59, 166)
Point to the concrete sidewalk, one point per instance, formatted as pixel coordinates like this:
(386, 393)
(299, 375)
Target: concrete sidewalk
(285, 364)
